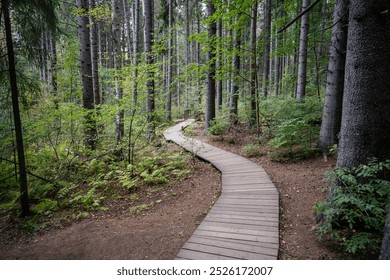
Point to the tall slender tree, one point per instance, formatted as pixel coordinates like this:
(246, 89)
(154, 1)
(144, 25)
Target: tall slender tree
(148, 7)
(90, 130)
(253, 66)
(210, 95)
(331, 119)
(236, 64)
(24, 200)
(170, 62)
(302, 62)
(267, 46)
(117, 18)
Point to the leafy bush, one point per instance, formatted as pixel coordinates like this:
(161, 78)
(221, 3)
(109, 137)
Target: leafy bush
(356, 211)
(219, 126)
(294, 133)
(252, 150)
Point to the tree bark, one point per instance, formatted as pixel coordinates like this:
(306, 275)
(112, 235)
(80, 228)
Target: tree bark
(94, 54)
(86, 76)
(365, 121)
(331, 118)
(149, 58)
(117, 18)
(135, 50)
(385, 249)
(253, 68)
(170, 62)
(267, 47)
(236, 70)
(302, 63)
(219, 65)
(210, 95)
(24, 199)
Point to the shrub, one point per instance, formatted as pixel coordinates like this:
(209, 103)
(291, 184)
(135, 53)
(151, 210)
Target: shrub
(219, 126)
(252, 150)
(355, 213)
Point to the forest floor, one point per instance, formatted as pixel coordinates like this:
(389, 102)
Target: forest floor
(160, 230)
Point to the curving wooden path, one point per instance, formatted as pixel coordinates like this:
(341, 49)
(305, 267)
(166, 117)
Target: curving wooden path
(244, 222)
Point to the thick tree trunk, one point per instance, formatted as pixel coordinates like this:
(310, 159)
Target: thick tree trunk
(365, 121)
(149, 58)
(302, 63)
(86, 76)
(267, 47)
(385, 249)
(210, 95)
(331, 119)
(24, 200)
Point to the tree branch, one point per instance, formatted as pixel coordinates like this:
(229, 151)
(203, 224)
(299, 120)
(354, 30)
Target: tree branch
(299, 16)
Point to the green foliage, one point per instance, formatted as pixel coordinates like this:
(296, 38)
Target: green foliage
(89, 200)
(355, 214)
(46, 207)
(252, 150)
(292, 126)
(219, 126)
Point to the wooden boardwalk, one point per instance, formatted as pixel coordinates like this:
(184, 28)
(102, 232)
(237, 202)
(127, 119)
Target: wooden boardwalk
(244, 222)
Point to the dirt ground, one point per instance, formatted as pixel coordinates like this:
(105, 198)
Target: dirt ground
(160, 232)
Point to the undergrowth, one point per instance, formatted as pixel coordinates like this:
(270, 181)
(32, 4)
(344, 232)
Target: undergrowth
(355, 213)
(71, 187)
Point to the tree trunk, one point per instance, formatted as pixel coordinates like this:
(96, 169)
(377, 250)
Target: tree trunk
(170, 62)
(210, 95)
(365, 121)
(86, 76)
(219, 65)
(267, 47)
(24, 200)
(53, 65)
(385, 249)
(94, 54)
(117, 60)
(302, 62)
(253, 68)
(331, 119)
(236, 70)
(149, 58)
(135, 51)
(187, 58)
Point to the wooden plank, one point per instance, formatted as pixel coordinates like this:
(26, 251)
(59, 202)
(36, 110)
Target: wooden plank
(242, 222)
(237, 236)
(239, 225)
(237, 241)
(244, 218)
(246, 201)
(215, 250)
(259, 196)
(254, 247)
(247, 208)
(248, 214)
(244, 231)
(195, 255)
